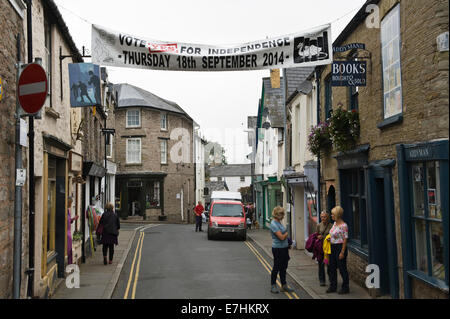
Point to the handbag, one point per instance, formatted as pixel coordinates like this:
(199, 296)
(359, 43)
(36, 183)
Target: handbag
(99, 230)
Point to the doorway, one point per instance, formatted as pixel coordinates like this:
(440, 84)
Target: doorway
(383, 247)
(134, 201)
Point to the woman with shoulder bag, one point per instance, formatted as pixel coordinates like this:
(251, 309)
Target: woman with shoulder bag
(338, 258)
(110, 224)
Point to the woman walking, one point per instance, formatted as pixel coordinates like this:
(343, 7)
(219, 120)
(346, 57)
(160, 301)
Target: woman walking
(338, 258)
(280, 250)
(111, 225)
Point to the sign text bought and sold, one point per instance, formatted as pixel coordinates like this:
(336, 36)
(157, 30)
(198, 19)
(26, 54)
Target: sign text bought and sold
(309, 48)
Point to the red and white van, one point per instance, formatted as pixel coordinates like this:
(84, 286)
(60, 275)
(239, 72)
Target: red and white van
(227, 217)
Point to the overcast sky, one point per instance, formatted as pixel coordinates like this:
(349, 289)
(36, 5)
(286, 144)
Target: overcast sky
(218, 101)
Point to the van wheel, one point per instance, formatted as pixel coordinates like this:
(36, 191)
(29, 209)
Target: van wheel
(243, 237)
(209, 235)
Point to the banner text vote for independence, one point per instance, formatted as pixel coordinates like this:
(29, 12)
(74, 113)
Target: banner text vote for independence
(308, 48)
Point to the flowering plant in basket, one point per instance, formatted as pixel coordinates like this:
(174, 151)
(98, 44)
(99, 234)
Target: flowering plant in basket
(344, 128)
(319, 138)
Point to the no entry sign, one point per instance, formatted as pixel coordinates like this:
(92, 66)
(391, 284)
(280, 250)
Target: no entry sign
(32, 88)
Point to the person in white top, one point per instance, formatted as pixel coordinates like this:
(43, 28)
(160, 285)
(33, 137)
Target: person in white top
(338, 257)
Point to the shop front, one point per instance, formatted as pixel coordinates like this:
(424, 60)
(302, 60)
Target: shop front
(140, 195)
(367, 198)
(424, 187)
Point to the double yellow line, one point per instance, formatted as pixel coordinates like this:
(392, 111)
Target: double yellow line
(267, 266)
(138, 248)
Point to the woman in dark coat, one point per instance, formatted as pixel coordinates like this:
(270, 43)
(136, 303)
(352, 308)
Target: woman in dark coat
(111, 225)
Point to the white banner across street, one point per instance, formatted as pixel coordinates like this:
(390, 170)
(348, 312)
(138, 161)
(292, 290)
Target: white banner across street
(308, 48)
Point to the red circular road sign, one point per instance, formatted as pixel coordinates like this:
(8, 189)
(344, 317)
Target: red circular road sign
(32, 88)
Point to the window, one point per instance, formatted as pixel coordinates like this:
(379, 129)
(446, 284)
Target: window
(133, 151)
(110, 142)
(48, 60)
(328, 98)
(356, 205)
(51, 206)
(164, 121)
(427, 219)
(163, 151)
(242, 178)
(156, 194)
(133, 118)
(390, 46)
(219, 178)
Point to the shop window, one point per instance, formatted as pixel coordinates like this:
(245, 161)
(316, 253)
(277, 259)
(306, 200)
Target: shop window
(357, 217)
(427, 219)
(51, 206)
(390, 51)
(133, 151)
(133, 118)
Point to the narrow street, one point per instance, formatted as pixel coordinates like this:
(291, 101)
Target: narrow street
(175, 262)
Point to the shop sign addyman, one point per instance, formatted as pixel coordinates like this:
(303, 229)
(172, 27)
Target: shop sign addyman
(304, 49)
(349, 73)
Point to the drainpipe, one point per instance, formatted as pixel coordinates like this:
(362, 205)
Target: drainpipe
(30, 270)
(286, 158)
(318, 158)
(17, 263)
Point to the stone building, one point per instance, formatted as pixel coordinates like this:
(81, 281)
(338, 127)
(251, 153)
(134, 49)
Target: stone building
(393, 183)
(99, 168)
(300, 179)
(12, 48)
(58, 159)
(154, 156)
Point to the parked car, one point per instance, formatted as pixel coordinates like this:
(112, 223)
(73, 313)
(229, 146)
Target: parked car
(227, 217)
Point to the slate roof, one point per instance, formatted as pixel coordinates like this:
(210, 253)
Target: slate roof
(273, 101)
(296, 78)
(132, 96)
(231, 170)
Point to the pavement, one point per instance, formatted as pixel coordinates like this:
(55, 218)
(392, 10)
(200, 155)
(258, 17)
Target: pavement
(304, 270)
(98, 281)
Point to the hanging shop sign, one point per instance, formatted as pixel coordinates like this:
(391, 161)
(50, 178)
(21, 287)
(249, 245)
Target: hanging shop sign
(350, 46)
(349, 73)
(115, 48)
(85, 89)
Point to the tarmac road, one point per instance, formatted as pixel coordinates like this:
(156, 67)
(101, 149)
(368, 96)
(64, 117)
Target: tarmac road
(175, 262)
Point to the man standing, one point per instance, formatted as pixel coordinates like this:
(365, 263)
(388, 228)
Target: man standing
(198, 210)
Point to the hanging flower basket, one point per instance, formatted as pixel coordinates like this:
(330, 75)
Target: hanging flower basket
(319, 138)
(344, 129)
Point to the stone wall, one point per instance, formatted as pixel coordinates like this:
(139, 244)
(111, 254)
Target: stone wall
(11, 25)
(425, 98)
(180, 174)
